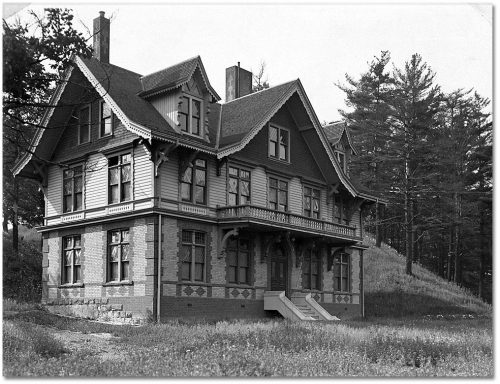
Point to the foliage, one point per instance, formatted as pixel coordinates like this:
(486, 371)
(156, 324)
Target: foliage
(272, 348)
(428, 154)
(259, 81)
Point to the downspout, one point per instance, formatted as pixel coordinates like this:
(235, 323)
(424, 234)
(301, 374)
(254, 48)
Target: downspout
(362, 284)
(158, 296)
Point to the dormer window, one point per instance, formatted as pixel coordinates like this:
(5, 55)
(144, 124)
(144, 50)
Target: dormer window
(190, 115)
(341, 159)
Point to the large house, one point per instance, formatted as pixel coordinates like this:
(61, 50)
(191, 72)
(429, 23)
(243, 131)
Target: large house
(164, 202)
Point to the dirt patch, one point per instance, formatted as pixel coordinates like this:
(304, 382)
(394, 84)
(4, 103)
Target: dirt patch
(101, 344)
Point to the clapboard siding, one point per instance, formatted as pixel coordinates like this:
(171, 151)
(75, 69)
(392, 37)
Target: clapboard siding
(169, 178)
(216, 184)
(295, 196)
(54, 191)
(327, 209)
(96, 181)
(259, 187)
(168, 107)
(323, 208)
(143, 173)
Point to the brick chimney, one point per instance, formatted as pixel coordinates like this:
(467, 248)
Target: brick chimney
(101, 38)
(238, 82)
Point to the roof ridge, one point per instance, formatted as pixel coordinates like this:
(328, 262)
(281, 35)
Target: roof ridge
(173, 65)
(261, 91)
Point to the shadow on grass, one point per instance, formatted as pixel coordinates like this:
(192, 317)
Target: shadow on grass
(402, 304)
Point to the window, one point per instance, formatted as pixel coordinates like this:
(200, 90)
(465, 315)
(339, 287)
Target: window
(278, 143)
(340, 210)
(341, 159)
(311, 202)
(238, 186)
(341, 273)
(105, 120)
(72, 189)
(118, 255)
(311, 270)
(72, 252)
(84, 125)
(120, 176)
(193, 255)
(238, 254)
(278, 194)
(190, 115)
(194, 183)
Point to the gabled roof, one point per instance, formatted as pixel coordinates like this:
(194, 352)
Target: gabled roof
(173, 77)
(334, 132)
(241, 115)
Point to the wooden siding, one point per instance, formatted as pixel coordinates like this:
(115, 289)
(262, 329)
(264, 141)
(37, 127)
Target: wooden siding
(217, 185)
(168, 106)
(143, 174)
(323, 208)
(259, 187)
(96, 181)
(54, 191)
(169, 178)
(295, 196)
(302, 163)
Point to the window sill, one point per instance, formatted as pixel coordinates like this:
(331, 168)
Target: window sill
(75, 285)
(105, 136)
(287, 162)
(117, 283)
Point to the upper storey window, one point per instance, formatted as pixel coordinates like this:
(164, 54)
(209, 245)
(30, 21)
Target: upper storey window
(120, 178)
(190, 115)
(105, 120)
(73, 189)
(238, 186)
(194, 183)
(84, 125)
(341, 158)
(279, 143)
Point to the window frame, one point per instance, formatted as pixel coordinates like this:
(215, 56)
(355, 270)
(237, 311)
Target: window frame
(278, 189)
(339, 279)
(111, 117)
(120, 262)
(308, 258)
(239, 251)
(120, 165)
(73, 194)
(239, 179)
(192, 263)
(343, 161)
(189, 115)
(310, 196)
(277, 156)
(89, 124)
(73, 250)
(193, 185)
(339, 204)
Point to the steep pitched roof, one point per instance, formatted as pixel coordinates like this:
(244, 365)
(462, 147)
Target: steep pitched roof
(241, 115)
(173, 77)
(334, 132)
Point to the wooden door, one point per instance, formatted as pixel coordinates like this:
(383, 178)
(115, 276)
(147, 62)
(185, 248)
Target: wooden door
(279, 270)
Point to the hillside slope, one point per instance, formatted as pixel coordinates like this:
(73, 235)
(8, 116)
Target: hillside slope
(390, 292)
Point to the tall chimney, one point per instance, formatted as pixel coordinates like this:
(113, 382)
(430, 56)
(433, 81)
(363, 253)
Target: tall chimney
(238, 82)
(101, 38)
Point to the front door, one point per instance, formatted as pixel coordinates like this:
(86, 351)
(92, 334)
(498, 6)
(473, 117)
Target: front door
(279, 270)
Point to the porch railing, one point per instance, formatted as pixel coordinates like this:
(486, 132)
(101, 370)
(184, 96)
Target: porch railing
(264, 215)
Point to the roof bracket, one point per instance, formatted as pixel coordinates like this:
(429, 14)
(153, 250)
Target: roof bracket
(41, 170)
(161, 154)
(220, 164)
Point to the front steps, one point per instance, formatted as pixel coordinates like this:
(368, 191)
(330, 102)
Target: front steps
(302, 307)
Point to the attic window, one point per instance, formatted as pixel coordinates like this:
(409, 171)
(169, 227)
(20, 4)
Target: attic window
(341, 158)
(279, 143)
(105, 120)
(84, 125)
(190, 115)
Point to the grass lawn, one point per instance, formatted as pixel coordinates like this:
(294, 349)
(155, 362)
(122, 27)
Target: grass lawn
(36, 343)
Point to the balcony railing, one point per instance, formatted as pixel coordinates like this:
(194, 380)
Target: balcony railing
(286, 219)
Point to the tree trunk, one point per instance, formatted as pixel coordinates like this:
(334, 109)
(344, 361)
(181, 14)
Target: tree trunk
(409, 232)
(378, 230)
(15, 225)
(457, 249)
(450, 254)
(482, 256)
(5, 223)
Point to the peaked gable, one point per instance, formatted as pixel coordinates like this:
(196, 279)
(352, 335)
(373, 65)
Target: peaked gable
(174, 77)
(337, 131)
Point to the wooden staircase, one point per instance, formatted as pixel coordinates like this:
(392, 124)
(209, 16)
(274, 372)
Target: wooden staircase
(302, 307)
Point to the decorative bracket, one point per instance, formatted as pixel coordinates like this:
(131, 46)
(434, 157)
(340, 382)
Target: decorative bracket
(331, 256)
(161, 155)
(223, 243)
(41, 169)
(333, 190)
(220, 164)
(186, 163)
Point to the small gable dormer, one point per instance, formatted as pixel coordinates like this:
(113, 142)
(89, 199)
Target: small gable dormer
(341, 143)
(183, 95)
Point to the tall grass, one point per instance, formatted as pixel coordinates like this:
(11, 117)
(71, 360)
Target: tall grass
(390, 292)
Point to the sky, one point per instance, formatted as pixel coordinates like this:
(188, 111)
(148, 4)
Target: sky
(318, 43)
